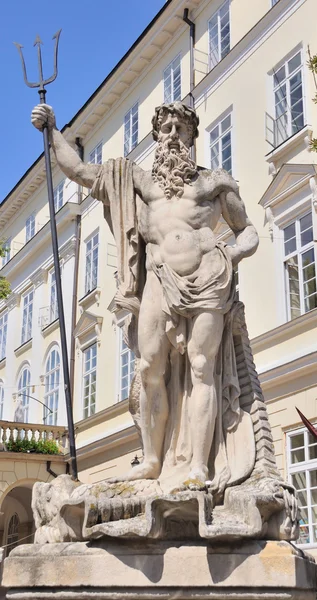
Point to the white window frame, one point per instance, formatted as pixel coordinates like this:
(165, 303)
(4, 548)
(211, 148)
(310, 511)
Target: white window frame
(89, 380)
(91, 262)
(210, 144)
(300, 250)
(175, 93)
(24, 385)
(52, 386)
(7, 256)
(122, 352)
(53, 307)
(131, 129)
(3, 334)
(59, 196)
(95, 155)
(283, 123)
(217, 23)
(307, 465)
(1, 399)
(27, 316)
(29, 228)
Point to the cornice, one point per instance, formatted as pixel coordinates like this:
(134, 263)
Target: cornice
(68, 250)
(12, 301)
(289, 371)
(119, 408)
(289, 329)
(125, 435)
(39, 277)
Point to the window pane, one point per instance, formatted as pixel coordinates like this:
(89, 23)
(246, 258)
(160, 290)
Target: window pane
(303, 535)
(299, 480)
(314, 496)
(297, 456)
(279, 76)
(302, 498)
(297, 441)
(294, 62)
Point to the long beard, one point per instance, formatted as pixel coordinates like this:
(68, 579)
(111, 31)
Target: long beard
(172, 169)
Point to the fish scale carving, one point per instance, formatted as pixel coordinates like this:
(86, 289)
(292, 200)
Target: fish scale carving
(251, 398)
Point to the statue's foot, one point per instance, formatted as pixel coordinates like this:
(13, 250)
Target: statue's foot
(199, 474)
(146, 470)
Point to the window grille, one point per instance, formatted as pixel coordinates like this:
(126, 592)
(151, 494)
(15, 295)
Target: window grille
(126, 366)
(220, 145)
(3, 334)
(27, 316)
(300, 266)
(7, 255)
(172, 81)
(89, 380)
(91, 273)
(131, 127)
(302, 474)
(219, 35)
(24, 391)
(13, 533)
(288, 99)
(59, 196)
(95, 156)
(51, 394)
(29, 228)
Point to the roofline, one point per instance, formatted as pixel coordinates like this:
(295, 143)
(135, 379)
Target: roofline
(112, 72)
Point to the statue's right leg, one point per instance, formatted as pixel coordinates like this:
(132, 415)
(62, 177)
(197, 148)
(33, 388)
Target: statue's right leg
(154, 348)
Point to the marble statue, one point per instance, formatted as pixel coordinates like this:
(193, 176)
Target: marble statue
(208, 464)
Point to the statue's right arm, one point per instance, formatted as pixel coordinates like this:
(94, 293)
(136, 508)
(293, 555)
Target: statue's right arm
(67, 158)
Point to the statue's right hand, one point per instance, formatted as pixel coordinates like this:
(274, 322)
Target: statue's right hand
(42, 115)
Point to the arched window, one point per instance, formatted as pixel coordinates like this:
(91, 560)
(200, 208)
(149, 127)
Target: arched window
(52, 375)
(13, 533)
(1, 399)
(24, 391)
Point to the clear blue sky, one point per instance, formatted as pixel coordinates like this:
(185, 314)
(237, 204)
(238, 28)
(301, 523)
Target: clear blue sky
(95, 35)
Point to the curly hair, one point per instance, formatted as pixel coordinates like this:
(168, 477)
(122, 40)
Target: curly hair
(175, 108)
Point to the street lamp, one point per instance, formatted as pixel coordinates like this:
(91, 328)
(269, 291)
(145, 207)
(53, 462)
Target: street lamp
(22, 394)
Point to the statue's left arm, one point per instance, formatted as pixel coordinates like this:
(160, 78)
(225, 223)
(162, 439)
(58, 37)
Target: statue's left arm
(234, 213)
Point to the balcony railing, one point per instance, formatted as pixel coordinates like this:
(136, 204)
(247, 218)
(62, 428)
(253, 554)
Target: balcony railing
(279, 130)
(13, 431)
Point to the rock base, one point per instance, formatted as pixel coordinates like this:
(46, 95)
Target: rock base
(108, 570)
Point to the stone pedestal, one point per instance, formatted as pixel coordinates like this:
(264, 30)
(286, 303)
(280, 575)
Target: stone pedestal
(108, 570)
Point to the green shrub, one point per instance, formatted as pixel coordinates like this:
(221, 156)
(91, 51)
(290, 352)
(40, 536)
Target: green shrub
(40, 447)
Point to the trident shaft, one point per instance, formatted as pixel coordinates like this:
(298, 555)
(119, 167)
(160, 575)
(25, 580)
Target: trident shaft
(42, 92)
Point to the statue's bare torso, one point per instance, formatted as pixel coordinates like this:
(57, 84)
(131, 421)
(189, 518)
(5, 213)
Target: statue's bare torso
(179, 230)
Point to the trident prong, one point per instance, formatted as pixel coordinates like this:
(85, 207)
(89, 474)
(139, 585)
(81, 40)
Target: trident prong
(42, 82)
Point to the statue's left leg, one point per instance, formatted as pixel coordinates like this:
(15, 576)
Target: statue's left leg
(203, 344)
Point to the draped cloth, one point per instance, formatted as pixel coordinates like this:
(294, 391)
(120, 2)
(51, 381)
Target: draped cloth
(182, 300)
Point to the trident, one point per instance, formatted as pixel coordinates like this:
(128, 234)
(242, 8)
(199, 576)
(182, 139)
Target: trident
(42, 92)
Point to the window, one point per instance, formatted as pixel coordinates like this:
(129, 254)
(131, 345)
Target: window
(126, 366)
(59, 196)
(27, 317)
(3, 334)
(91, 274)
(7, 249)
(95, 156)
(89, 383)
(24, 391)
(52, 376)
(274, 2)
(302, 472)
(131, 126)
(29, 228)
(300, 267)
(1, 399)
(288, 99)
(220, 145)
(53, 308)
(172, 81)
(219, 35)
(13, 533)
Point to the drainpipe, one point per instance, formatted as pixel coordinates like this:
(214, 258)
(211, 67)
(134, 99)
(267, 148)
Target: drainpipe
(192, 69)
(80, 151)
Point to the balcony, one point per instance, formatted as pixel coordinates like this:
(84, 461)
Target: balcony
(283, 128)
(13, 432)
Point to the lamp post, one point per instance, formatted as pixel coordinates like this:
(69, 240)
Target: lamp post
(22, 394)
(42, 92)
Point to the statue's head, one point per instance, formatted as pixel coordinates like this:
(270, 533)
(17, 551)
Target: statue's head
(174, 123)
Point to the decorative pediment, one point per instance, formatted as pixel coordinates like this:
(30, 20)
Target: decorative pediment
(87, 323)
(289, 179)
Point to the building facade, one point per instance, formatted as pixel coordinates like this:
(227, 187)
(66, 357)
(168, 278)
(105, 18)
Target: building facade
(252, 92)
